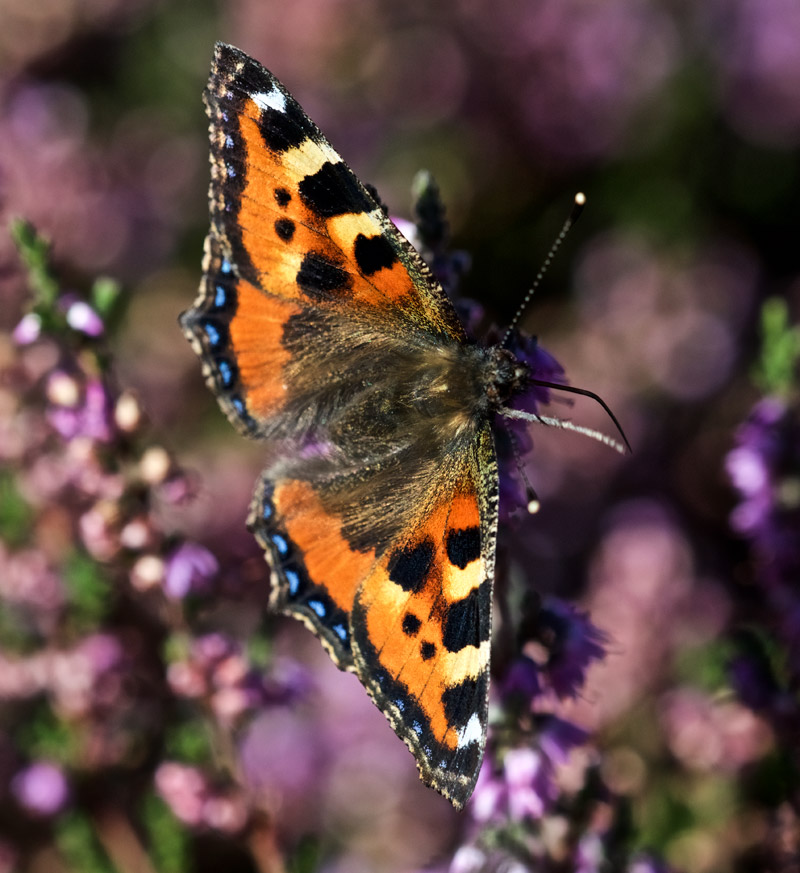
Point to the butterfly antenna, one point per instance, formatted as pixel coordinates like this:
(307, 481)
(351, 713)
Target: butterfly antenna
(563, 424)
(577, 208)
(585, 393)
(531, 497)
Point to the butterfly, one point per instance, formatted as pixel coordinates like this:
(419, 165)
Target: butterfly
(324, 335)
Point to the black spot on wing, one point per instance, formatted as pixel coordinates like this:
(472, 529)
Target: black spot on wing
(282, 197)
(467, 622)
(333, 190)
(284, 227)
(411, 625)
(427, 650)
(463, 546)
(409, 566)
(373, 253)
(319, 277)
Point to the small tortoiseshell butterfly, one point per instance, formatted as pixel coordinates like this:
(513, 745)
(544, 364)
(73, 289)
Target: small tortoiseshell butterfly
(323, 334)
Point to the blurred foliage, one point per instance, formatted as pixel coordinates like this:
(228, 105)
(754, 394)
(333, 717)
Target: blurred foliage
(780, 350)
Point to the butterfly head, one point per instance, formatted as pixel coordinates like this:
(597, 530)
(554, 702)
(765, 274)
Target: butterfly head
(506, 376)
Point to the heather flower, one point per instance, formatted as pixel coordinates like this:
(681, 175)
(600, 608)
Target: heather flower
(542, 366)
(91, 418)
(184, 789)
(27, 578)
(521, 683)
(525, 788)
(764, 467)
(189, 570)
(558, 737)
(573, 643)
(197, 803)
(81, 317)
(647, 864)
(754, 45)
(468, 859)
(41, 788)
(28, 329)
(753, 465)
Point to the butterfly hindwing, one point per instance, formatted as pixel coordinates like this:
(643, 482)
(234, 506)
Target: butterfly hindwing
(413, 617)
(422, 621)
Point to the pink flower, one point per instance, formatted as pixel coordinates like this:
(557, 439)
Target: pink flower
(41, 788)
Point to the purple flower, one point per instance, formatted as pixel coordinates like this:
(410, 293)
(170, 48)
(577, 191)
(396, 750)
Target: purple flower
(209, 649)
(764, 467)
(590, 855)
(573, 643)
(189, 569)
(526, 788)
(41, 788)
(513, 439)
(92, 418)
(753, 464)
(468, 859)
(103, 651)
(755, 43)
(521, 684)
(542, 366)
(81, 317)
(530, 789)
(28, 329)
(287, 682)
(184, 790)
(646, 864)
(558, 737)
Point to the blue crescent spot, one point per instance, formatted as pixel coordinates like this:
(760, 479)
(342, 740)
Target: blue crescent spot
(318, 607)
(237, 404)
(225, 266)
(228, 142)
(231, 172)
(212, 333)
(294, 581)
(400, 704)
(220, 296)
(341, 631)
(226, 373)
(266, 510)
(280, 544)
(417, 728)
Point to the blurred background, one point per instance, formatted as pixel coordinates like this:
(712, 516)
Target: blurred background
(681, 123)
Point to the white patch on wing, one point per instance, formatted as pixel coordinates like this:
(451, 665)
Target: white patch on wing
(471, 732)
(272, 100)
